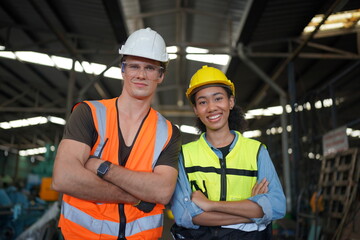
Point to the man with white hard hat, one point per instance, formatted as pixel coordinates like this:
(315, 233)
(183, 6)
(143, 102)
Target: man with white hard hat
(117, 161)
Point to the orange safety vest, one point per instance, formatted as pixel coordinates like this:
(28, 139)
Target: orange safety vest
(82, 219)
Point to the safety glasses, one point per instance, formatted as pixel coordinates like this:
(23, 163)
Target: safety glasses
(132, 69)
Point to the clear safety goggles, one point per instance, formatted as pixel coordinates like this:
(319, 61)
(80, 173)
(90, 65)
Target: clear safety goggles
(132, 69)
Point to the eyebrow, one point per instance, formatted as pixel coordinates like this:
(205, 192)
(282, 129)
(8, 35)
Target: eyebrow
(212, 95)
(140, 63)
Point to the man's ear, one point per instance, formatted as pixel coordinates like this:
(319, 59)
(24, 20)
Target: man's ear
(122, 70)
(161, 78)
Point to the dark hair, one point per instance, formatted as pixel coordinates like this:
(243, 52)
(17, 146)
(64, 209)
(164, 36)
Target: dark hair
(236, 118)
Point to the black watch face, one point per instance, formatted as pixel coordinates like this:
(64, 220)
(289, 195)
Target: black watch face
(103, 168)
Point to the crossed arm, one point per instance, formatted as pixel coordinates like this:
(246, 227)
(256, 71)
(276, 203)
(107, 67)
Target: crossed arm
(155, 187)
(268, 200)
(217, 213)
(271, 198)
(74, 174)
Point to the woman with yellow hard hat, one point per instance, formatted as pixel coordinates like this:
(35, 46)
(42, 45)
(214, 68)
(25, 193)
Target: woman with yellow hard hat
(227, 187)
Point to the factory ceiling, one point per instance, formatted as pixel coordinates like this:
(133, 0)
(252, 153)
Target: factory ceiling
(264, 48)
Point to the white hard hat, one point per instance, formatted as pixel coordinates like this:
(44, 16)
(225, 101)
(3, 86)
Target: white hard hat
(146, 43)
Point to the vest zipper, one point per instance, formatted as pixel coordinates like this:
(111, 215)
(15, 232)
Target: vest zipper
(122, 224)
(223, 179)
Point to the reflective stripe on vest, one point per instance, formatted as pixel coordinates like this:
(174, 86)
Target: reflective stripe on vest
(108, 227)
(161, 131)
(161, 137)
(231, 178)
(100, 114)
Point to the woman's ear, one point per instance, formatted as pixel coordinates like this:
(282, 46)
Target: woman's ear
(232, 102)
(195, 110)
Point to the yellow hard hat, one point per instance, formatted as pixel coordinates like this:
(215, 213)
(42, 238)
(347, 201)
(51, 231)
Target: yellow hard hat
(208, 76)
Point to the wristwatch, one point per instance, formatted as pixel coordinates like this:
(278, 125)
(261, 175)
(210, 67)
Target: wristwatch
(103, 169)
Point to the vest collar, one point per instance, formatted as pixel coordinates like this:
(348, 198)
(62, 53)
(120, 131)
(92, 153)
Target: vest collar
(217, 151)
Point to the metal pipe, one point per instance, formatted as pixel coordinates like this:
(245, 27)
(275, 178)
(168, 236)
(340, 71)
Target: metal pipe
(70, 91)
(295, 129)
(333, 107)
(285, 156)
(258, 71)
(284, 137)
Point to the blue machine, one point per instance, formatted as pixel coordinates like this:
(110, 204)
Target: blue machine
(17, 213)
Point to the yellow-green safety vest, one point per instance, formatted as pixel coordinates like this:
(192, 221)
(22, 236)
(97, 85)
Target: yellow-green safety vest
(229, 179)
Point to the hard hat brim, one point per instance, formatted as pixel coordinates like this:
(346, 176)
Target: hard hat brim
(216, 83)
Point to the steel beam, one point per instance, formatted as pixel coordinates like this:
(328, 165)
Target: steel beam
(65, 42)
(284, 137)
(262, 93)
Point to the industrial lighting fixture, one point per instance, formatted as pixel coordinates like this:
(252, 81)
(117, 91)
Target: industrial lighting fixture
(7, 54)
(252, 134)
(189, 129)
(57, 120)
(220, 59)
(61, 63)
(195, 54)
(172, 50)
(31, 122)
(336, 21)
(353, 133)
(278, 110)
(35, 57)
(199, 55)
(33, 151)
(196, 50)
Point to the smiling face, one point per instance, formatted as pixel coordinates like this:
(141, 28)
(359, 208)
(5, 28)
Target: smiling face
(212, 106)
(141, 77)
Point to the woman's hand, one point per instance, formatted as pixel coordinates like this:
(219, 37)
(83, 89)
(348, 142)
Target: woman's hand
(201, 200)
(260, 188)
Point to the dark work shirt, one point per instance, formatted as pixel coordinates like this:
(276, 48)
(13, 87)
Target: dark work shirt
(80, 127)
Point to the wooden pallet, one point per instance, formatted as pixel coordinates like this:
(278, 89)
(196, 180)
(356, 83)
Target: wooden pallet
(338, 184)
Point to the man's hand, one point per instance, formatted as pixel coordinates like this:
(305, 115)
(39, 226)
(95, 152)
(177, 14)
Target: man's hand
(146, 207)
(93, 163)
(260, 188)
